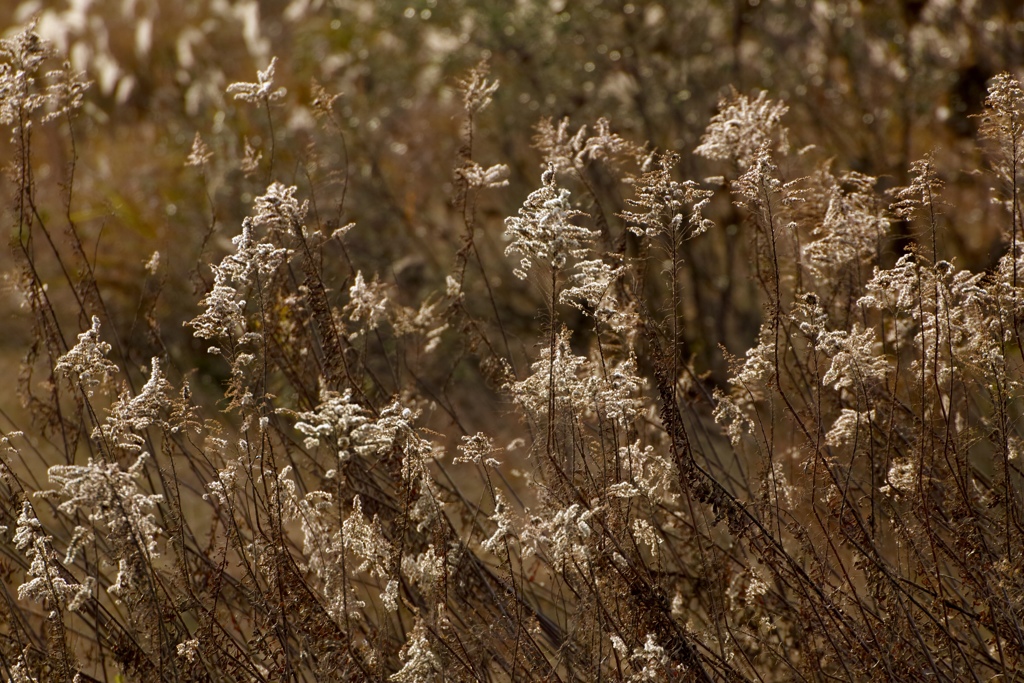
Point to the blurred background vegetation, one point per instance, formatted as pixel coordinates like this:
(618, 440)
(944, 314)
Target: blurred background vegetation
(876, 84)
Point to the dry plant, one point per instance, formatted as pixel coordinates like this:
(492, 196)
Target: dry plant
(857, 512)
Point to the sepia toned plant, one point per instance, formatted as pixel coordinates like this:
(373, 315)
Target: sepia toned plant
(543, 230)
(742, 128)
(262, 90)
